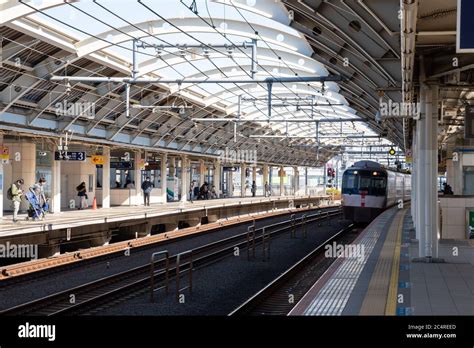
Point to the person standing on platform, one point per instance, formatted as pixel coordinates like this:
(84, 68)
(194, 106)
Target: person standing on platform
(15, 194)
(82, 194)
(191, 191)
(254, 189)
(38, 188)
(267, 189)
(147, 186)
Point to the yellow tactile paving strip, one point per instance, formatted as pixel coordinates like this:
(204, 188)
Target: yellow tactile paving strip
(375, 300)
(391, 305)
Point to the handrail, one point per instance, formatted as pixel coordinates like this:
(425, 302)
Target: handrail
(178, 276)
(152, 272)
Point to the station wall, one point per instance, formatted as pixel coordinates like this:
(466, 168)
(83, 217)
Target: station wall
(23, 168)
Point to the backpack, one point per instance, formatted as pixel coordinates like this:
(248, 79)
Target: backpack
(10, 194)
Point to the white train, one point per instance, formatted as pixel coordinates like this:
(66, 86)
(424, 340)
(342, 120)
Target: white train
(368, 188)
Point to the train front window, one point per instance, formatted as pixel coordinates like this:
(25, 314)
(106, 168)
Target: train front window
(350, 183)
(378, 186)
(364, 182)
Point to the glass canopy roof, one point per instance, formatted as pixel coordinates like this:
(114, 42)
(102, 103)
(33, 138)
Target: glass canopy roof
(209, 39)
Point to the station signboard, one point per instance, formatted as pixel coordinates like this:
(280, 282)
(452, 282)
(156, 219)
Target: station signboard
(465, 27)
(121, 165)
(97, 160)
(5, 155)
(79, 156)
(229, 169)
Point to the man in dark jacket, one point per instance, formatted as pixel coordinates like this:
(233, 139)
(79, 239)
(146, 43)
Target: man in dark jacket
(147, 186)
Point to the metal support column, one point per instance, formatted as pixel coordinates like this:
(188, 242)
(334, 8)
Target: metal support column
(217, 178)
(56, 186)
(163, 178)
(296, 178)
(282, 178)
(431, 172)
(184, 178)
(427, 173)
(306, 180)
(106, 177)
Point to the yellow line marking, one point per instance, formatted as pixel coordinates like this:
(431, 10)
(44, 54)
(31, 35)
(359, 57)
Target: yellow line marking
(391, 305)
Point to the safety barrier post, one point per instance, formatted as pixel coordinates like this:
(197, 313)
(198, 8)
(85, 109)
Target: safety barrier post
(251, 240)
(293, 226)
(303, 225)
(265, 244)
(178, 264)
(152, 272)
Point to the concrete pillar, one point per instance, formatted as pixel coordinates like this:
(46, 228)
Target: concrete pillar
(306, 180)
(427, 173)
(270, 179)
(457, 185)
(217, 177)
(282, 178)
(431, 171)
(106, 178)
(56, 186)
(172, 161)
(414, 183)
(325, 178)
(265, 175)
(24, 168)
(296, 179)
(184, 178)
(163, 178)
(202, 172)
(230, 183)
(242, 179)
(137, 192)
(419, 217)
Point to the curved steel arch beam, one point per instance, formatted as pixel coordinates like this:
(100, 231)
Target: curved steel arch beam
(156, 30)
(14, 9)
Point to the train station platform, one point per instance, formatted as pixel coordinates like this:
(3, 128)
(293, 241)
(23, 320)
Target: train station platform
(388, 278)
(76, 218)
(79, 229)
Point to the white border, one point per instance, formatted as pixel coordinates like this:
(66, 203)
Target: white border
(458, 32)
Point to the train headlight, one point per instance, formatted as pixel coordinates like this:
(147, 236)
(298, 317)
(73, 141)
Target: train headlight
(375, 173)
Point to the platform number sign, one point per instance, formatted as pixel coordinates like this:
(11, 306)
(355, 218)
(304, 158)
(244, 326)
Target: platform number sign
(79, 156)
(465, 27)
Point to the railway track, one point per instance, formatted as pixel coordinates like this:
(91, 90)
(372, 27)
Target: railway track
(103, 292)
(281, 295)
